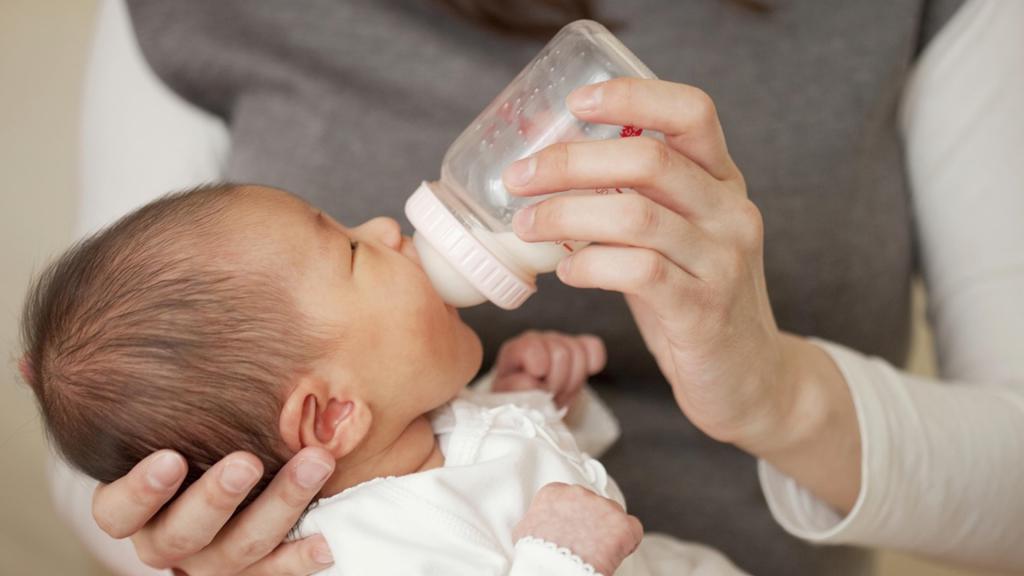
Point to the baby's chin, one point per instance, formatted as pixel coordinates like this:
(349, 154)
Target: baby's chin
(470, 361)
(475, 352)
(471, 356)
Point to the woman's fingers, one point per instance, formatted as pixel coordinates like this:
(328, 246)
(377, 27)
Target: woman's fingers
(260, 528)
(197, 515)
(622, 219)
(644, 164)
(122, 507)
(181, 534)
(299, 558)
(640, 272)
(684, 114)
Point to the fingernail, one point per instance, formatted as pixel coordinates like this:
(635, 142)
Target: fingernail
(322, 554)
(521, 172)
(522, 222)
(311, 473)
(165, 471)
(586, 99)
(238, 477)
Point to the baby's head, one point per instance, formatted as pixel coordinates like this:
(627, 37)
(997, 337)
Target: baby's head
(237, 318)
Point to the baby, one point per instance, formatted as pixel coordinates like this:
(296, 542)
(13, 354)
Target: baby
(235, 318)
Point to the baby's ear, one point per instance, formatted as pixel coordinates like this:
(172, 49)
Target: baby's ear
(315, 415)
(25, 367)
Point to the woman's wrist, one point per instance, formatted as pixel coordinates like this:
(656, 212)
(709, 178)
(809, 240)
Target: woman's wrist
(811, 432)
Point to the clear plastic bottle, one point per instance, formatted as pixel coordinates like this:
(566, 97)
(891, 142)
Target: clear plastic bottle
(464, 220)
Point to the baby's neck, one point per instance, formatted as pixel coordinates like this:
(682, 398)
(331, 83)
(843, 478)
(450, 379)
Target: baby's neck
(415, 450)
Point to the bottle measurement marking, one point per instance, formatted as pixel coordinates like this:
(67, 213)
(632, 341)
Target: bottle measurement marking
(629, 131)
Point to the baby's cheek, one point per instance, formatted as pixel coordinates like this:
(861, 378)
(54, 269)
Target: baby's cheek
(434, 328)
(415, 306)
(438, 332)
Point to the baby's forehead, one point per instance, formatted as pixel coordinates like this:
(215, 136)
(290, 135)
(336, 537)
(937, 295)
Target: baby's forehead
(260, 207)
(268, 197)
(270, 228)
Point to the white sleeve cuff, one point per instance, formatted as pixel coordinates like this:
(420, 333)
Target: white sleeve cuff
(794, 507)
(941, 469)
(537, 557)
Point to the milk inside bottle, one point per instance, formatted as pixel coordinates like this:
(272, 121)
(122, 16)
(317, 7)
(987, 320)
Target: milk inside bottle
(463, 220)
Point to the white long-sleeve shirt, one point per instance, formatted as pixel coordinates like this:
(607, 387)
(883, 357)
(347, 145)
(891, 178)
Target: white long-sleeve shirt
(943, 464)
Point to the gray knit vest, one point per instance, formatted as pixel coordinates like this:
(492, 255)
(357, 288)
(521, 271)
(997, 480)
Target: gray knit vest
(351, 103)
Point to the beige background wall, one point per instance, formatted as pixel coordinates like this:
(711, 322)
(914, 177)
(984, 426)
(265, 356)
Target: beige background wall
(43, 44)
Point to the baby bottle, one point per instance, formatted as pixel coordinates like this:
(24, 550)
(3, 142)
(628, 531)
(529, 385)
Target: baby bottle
(464, 220)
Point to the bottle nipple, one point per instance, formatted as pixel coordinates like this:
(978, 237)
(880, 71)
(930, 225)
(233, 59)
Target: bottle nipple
(450, 284)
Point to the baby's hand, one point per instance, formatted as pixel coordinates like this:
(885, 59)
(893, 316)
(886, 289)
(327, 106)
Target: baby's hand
(552, 361)
(594, 528)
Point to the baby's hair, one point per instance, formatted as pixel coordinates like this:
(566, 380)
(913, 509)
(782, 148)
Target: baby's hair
(149, 335)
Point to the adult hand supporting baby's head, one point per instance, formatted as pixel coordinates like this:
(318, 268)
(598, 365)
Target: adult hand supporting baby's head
(193, 534)
(594, 528)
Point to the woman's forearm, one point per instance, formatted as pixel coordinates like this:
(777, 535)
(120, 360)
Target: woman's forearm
(815, 439)
(942, 466)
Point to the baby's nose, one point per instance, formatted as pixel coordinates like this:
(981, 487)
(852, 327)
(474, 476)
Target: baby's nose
(385, 230)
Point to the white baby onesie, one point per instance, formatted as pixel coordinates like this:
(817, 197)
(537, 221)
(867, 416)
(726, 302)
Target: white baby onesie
(499, 449)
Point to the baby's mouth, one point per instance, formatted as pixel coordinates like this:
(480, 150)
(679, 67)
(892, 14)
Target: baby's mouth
(409, 251)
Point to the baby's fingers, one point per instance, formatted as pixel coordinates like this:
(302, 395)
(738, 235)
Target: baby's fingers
(597, 356)
(560, 359)
(527, 352)
(517, 383)
(579, 370)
